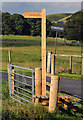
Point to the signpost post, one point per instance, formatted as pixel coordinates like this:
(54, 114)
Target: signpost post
(56, 42)
(57, 29)
(41, 15)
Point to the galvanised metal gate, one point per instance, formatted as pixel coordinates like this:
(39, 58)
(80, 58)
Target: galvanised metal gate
(21, 83)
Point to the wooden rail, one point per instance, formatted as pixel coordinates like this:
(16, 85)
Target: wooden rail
(70, 63)
(81, 56)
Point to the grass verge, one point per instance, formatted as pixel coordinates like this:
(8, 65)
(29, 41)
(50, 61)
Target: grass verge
(14, 110)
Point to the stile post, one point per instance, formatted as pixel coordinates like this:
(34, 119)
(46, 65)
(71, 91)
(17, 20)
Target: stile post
(52, 64)
(12, 81)
(43, 52)
(53, 93)
(70, 66)
(49, 62)
(38, 81)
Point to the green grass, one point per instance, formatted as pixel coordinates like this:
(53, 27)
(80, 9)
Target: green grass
(27, 53)
(0, 97)
(21, 37)
(65, 75)
(14, 110)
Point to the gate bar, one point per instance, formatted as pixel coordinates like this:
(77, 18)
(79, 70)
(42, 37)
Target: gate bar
(21, 82)
(22, 94)
(22, 75)
(22, 67)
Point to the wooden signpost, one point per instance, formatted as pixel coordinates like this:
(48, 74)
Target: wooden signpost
(41, 15)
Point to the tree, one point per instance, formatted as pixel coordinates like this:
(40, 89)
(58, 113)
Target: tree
(17, 22)
(48, 28)
(6, 26)
(38, 27)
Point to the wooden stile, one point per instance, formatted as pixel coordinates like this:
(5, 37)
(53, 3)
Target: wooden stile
(48, 84)
(38, 81)
(53, 93)
(12, 81)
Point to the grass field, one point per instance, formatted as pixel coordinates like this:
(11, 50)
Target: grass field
(14, 110)
(26, 52)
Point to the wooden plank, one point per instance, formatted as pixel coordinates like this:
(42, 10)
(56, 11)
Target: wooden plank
(43, 52)
(68, 55)
(48, 84)
(38, 81)
(48, 74)
(32, 14)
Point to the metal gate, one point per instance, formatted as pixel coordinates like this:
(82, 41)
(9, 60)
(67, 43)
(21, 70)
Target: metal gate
(21, 83)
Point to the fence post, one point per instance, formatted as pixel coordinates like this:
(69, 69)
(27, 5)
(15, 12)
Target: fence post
(70, 66)
(53, 93)
(38, 81)
(9, 57)
(52, 64)
(82, 63)
(12, 81)
(8, 74)
(49, 62)
(9, 54)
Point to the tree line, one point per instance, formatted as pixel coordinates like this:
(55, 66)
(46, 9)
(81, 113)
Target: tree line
(16, 24)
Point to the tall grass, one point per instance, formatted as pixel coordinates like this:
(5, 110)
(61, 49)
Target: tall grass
(16, 111)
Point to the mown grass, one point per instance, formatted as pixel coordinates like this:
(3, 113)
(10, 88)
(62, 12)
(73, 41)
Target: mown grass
(14, 110)
(27, 53)
(21, 37)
